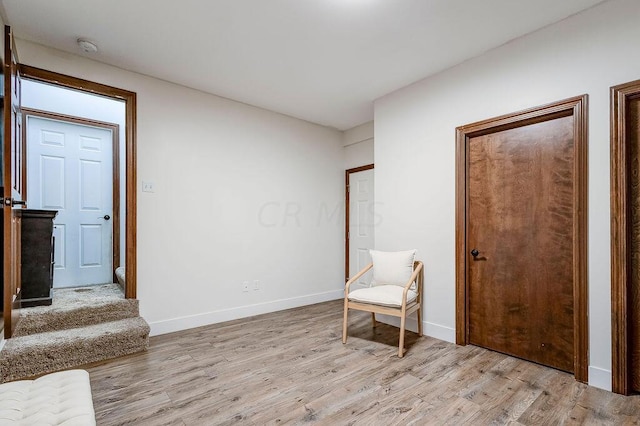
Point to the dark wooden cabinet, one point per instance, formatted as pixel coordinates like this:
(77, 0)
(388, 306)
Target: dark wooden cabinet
(37, 256)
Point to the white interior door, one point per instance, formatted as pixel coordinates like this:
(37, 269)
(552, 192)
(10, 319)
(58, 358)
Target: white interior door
(361, 223)
(70, 169)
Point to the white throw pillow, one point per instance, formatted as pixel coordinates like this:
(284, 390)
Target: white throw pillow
(392, 268)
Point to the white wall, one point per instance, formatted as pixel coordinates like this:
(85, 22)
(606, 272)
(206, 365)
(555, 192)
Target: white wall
(358, 145)
(241, 194)
(415, 148)
(46, 97)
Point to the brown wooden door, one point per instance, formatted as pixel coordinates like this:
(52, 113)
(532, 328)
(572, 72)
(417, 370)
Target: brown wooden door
(520, 220)
(13, 185)
(633, 134)
(625, 237)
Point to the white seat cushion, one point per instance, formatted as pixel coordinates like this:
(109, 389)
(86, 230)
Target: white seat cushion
(62, 398)
(385, 295)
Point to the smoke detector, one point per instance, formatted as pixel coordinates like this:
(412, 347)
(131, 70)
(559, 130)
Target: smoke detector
(87, 46)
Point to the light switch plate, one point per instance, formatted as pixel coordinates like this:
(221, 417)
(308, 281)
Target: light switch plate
(147, 186)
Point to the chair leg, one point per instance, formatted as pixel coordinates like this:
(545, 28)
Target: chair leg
(401, 344)
(373, 319)
(344, 321)
(419, 322)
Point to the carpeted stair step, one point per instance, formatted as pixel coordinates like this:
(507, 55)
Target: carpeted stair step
(32, 355)
(66, 312)
(33, 322)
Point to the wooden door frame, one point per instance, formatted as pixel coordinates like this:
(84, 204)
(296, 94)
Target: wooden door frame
(347, 175)
(621, 303)
(12, 185)
(115, 158)
(576, 107)
(129, 98)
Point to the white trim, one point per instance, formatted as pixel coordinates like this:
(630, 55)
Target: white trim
(207, 318)
(430, 329)
(442, 332)
(600, 378)
(411, 324)
(2, 343)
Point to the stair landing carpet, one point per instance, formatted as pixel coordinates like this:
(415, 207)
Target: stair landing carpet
(83, 325)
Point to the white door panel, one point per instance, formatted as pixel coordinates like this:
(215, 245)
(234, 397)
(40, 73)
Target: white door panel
(52, 138)
(70, 170)
(90, 245)
(90, 194)
(361, 223)
(59, 257)
(51, 182)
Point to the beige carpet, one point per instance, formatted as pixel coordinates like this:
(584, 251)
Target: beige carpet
(77, 307)
(82, 325)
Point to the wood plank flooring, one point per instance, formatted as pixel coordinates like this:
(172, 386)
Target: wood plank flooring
(291, 367)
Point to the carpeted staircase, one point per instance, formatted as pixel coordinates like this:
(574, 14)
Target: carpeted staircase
(83, 325)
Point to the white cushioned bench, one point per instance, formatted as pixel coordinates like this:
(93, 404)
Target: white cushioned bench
(62, 398)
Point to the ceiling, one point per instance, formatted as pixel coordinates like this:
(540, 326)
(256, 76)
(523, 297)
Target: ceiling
(323, 61)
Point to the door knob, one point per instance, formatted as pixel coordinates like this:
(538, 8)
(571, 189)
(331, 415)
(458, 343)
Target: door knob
(475, 252)
(12, 202)
(106, 217)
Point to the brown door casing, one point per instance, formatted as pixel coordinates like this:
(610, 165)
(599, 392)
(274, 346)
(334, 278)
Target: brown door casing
(129, 99)
(521, 202)
(625, 237)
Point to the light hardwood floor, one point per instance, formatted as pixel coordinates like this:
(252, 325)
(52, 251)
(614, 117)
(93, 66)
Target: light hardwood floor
(291, 367)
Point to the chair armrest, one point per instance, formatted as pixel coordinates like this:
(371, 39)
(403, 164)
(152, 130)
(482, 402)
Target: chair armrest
(355, 278)
(414, 277)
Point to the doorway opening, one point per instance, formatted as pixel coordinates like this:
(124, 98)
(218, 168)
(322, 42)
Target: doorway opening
(359, 220)
(72, 170)
(98, 107)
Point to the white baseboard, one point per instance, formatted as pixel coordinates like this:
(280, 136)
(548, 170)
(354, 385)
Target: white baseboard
(2, 342)
(430, 329)
(448, 334)
(411, 324)
(600, 378)
(207, 318)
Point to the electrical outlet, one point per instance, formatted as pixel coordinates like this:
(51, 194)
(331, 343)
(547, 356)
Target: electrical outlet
(256, 285)
(147, 186)
(245, 286)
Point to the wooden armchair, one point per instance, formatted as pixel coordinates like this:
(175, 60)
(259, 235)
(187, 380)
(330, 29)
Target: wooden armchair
(388, 297)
